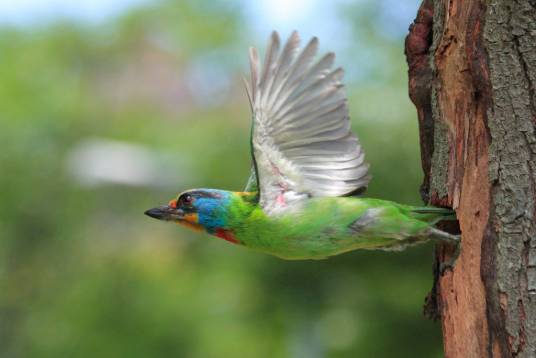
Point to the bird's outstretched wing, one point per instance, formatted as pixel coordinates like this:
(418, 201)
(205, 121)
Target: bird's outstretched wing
(301, 141)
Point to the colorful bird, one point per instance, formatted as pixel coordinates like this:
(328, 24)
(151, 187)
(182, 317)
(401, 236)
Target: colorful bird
(301, 200)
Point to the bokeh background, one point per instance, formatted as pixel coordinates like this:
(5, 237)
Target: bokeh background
(108, 108)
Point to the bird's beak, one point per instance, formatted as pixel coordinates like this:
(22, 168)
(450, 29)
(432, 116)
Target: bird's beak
(166, 213)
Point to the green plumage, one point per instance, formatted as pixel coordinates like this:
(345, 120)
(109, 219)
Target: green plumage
(328, 226)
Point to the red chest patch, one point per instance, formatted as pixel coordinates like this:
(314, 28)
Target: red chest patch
(226, 235)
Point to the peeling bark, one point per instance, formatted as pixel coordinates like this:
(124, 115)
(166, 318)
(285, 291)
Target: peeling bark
(472, 77)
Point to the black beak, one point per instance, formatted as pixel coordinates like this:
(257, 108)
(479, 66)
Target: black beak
(165, 213)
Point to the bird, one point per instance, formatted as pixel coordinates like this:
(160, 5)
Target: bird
(304, 197)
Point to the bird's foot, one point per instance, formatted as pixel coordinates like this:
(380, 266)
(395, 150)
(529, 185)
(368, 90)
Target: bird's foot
(442, 236)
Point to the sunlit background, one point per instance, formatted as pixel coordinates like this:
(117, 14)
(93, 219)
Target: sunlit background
(108, 108)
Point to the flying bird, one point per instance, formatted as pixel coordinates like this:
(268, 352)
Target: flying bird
(302, 200)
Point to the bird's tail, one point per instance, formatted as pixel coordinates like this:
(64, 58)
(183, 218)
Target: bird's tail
(432, 214)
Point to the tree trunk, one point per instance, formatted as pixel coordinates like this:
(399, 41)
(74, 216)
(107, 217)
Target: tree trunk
(472, 77)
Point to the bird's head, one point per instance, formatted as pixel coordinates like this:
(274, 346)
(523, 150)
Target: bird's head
(197, 209)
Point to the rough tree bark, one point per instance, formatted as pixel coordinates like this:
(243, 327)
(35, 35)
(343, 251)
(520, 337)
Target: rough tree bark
(472, 77)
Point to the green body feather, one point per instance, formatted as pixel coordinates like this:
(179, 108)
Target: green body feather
(327, 226)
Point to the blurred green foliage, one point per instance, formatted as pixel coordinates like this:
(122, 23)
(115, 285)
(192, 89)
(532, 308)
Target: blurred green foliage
(84, 273)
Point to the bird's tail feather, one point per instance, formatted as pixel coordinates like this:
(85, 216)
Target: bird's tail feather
(432, 214)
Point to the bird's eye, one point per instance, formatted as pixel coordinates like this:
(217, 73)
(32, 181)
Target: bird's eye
(186, 199)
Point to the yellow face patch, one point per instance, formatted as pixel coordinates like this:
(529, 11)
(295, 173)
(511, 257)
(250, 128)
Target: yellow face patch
(191, 218)
(191, 221)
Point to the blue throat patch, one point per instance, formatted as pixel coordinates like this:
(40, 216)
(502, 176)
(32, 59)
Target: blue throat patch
(212, 212)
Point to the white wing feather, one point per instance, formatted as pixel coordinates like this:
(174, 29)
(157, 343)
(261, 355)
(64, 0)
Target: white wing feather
(301, 137)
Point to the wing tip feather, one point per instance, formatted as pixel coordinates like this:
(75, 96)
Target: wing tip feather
(254, 69)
